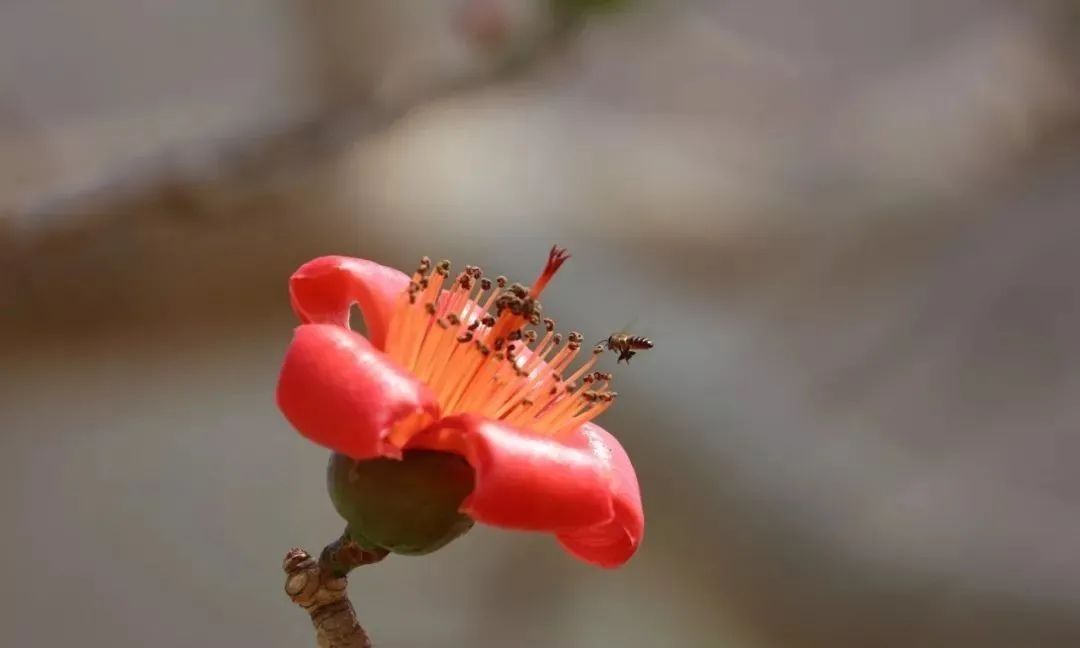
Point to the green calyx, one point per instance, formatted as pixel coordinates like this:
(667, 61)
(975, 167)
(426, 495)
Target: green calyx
(409, 507)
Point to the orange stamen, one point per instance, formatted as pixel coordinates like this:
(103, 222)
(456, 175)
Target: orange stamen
(492, 365)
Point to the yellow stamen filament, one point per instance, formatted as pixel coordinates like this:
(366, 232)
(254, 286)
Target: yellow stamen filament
(398, 327)
(433, 343)
(574, 377)
(565, 357)
(494, 376)
(568, 404)
(411, 320)
(470, 343)
(491, 299)
(589, 414)
(424, 316)
(539, 382)
(542, 348)
(446, 364)
(464, 380)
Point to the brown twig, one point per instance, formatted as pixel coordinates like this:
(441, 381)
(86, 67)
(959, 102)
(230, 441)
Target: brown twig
(320, 587)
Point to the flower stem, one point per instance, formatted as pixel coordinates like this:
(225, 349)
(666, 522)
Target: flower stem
(320, 588)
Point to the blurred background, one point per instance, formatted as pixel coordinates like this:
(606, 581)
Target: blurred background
(851, 228)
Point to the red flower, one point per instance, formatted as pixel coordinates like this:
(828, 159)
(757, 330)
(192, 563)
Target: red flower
(459, 370)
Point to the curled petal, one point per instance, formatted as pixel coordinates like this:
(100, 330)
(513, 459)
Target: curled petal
(324, 289)
(524, 481)
(613, 542)
(341, 392)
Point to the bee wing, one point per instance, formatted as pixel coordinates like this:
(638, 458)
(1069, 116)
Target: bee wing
(630, 328)
(626, 330)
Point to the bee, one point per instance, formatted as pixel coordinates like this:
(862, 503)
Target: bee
(626, 345)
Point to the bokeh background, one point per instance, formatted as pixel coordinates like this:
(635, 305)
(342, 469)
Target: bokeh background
(850, 227)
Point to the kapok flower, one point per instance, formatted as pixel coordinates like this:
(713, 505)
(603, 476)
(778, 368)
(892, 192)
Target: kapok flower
(458, 368)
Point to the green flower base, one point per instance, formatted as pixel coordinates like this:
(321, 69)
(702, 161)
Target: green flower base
(408, 507)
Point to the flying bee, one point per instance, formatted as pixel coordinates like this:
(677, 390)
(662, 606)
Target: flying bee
(626, 345)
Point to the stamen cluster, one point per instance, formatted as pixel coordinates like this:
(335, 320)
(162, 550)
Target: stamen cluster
(484, 347)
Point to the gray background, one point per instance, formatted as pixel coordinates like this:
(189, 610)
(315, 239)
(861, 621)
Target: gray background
(849, 227)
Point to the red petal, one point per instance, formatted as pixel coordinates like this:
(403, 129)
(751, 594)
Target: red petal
(324, 289)
(612, 543)
(524, 481)
(341, 392)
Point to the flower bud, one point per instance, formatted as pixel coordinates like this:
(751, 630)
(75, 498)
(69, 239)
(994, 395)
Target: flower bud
(408, 507)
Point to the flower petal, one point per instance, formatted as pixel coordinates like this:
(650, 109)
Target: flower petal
(341, 392)
(323, 291)
(524, 481)
(613, 542)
